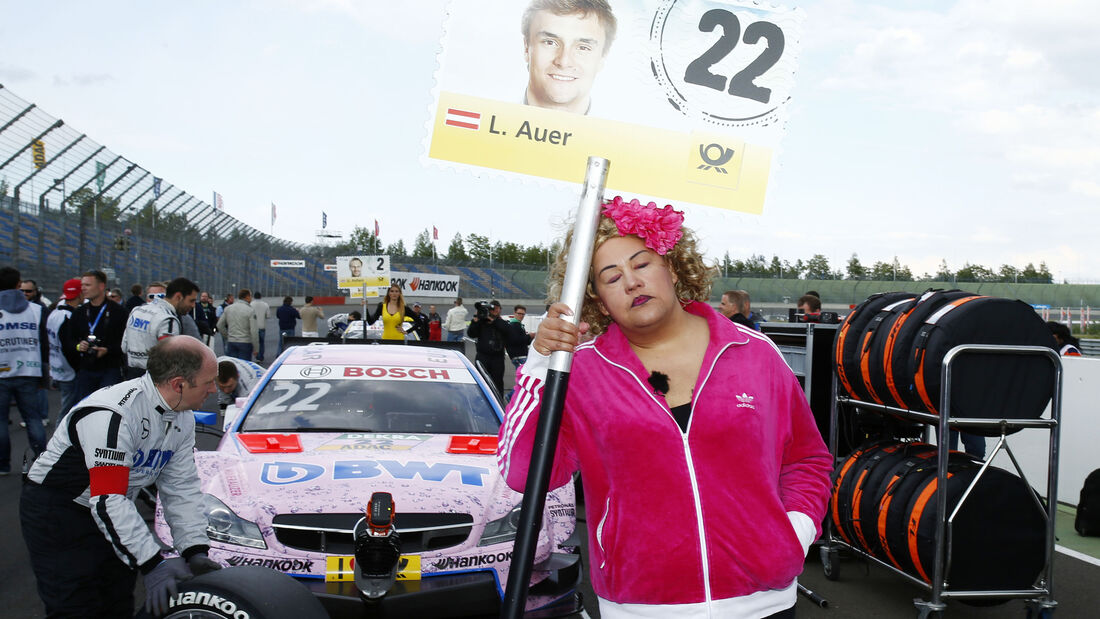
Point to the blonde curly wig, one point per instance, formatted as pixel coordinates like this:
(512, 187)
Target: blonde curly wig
(693, 274)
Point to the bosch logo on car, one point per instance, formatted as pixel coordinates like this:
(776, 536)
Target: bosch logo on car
(283, 473)
(397, 373)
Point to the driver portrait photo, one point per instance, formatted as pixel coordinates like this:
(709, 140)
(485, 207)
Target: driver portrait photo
(355, 265)
(565, 43)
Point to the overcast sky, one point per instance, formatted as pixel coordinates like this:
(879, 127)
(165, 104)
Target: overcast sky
(961, 131)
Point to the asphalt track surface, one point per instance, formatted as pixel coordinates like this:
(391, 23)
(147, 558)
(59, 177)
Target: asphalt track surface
(862, 591)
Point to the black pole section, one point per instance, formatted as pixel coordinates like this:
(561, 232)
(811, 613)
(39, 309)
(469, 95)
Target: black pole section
(534, 494)
(553, 396)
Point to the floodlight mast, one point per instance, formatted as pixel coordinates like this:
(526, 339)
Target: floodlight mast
(553, 394)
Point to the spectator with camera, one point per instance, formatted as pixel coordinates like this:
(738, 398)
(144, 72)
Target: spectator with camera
(95, 332)
(490, 332)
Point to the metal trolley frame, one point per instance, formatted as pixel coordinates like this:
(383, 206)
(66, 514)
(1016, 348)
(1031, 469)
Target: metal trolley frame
(1040, 598)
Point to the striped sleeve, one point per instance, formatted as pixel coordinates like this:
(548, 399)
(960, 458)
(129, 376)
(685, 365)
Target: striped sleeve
(104, 440)
(517, 433)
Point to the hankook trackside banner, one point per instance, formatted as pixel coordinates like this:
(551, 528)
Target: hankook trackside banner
(417, 285)
(686, 98)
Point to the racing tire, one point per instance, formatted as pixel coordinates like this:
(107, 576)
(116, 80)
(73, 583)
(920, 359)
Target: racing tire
(244, 592)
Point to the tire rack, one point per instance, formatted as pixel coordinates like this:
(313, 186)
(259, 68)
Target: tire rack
(1041, 597)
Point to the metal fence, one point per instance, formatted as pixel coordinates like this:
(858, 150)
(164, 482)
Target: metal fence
(69, 204)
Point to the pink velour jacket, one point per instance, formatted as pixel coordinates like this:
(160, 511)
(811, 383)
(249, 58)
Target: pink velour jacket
(674, 517)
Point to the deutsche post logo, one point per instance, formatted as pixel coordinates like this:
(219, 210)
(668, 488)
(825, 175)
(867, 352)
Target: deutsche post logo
(714, 160)
(714, 156)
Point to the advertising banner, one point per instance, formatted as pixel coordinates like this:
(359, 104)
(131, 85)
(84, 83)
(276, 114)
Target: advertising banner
(354, 272)
(288, 264)
(426, 284)
(686, 98)
(415, 285)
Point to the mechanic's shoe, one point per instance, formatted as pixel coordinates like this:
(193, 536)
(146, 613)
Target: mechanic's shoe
(22, 424)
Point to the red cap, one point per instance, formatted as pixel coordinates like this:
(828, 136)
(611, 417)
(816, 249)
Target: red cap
(71, 289)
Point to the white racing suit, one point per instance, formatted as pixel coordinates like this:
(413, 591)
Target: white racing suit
(147, 325)
(111, 445)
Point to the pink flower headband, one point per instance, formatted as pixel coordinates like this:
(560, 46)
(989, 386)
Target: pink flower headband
(658, 227)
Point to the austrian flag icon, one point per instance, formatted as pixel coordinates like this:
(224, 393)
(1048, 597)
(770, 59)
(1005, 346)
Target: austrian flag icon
(463, 118)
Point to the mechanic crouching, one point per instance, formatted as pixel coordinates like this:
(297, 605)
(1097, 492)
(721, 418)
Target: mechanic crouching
(86, 539)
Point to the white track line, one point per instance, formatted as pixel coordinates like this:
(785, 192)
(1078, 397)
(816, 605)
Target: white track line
(1077, 555)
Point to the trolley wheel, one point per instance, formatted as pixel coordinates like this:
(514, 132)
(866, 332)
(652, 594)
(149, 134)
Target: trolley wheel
(1039, 613)
(830, 563)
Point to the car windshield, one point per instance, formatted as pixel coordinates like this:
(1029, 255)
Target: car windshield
(378, 405)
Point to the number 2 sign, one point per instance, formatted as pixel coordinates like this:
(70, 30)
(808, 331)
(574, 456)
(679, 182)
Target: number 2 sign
(724, 62)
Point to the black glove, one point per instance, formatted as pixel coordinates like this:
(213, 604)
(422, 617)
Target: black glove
(160, 584)
(201, 564)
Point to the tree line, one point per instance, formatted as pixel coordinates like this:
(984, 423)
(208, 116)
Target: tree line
(818, 267)
(479, 248)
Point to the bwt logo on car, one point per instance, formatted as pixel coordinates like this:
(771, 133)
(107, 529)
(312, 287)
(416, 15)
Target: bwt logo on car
(203, 598)
(283, 473)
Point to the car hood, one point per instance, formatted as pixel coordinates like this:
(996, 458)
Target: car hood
(338, 472)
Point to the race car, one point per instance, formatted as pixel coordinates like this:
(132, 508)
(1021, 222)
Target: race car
(298, 480)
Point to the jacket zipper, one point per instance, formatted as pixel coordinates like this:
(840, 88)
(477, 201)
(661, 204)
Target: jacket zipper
(704, 557)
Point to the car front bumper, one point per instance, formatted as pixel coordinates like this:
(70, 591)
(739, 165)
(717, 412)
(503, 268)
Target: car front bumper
(460, 594)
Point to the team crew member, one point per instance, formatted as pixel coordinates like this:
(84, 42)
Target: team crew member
(63, 360)
(156, 320)
(24, 358)
(729, 439)
(236, 378)
(86, 539)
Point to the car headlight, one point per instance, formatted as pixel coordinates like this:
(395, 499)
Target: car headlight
(501, 530)
(223, 525)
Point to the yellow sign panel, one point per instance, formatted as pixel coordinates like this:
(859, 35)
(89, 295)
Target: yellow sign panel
(701, 168)
(39, 150)
(342, 568)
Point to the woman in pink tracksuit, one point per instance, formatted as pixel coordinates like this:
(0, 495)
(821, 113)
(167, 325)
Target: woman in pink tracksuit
(704, 474)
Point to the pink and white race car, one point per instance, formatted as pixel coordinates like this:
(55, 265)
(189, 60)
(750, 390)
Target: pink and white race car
(328, 427)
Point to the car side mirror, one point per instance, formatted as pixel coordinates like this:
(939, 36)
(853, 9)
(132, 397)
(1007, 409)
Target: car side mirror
(231, 413)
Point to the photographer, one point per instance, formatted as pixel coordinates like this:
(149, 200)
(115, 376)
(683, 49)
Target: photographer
(491, 332)
(95, 331)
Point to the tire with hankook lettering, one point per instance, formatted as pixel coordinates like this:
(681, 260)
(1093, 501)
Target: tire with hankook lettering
(246, 592)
